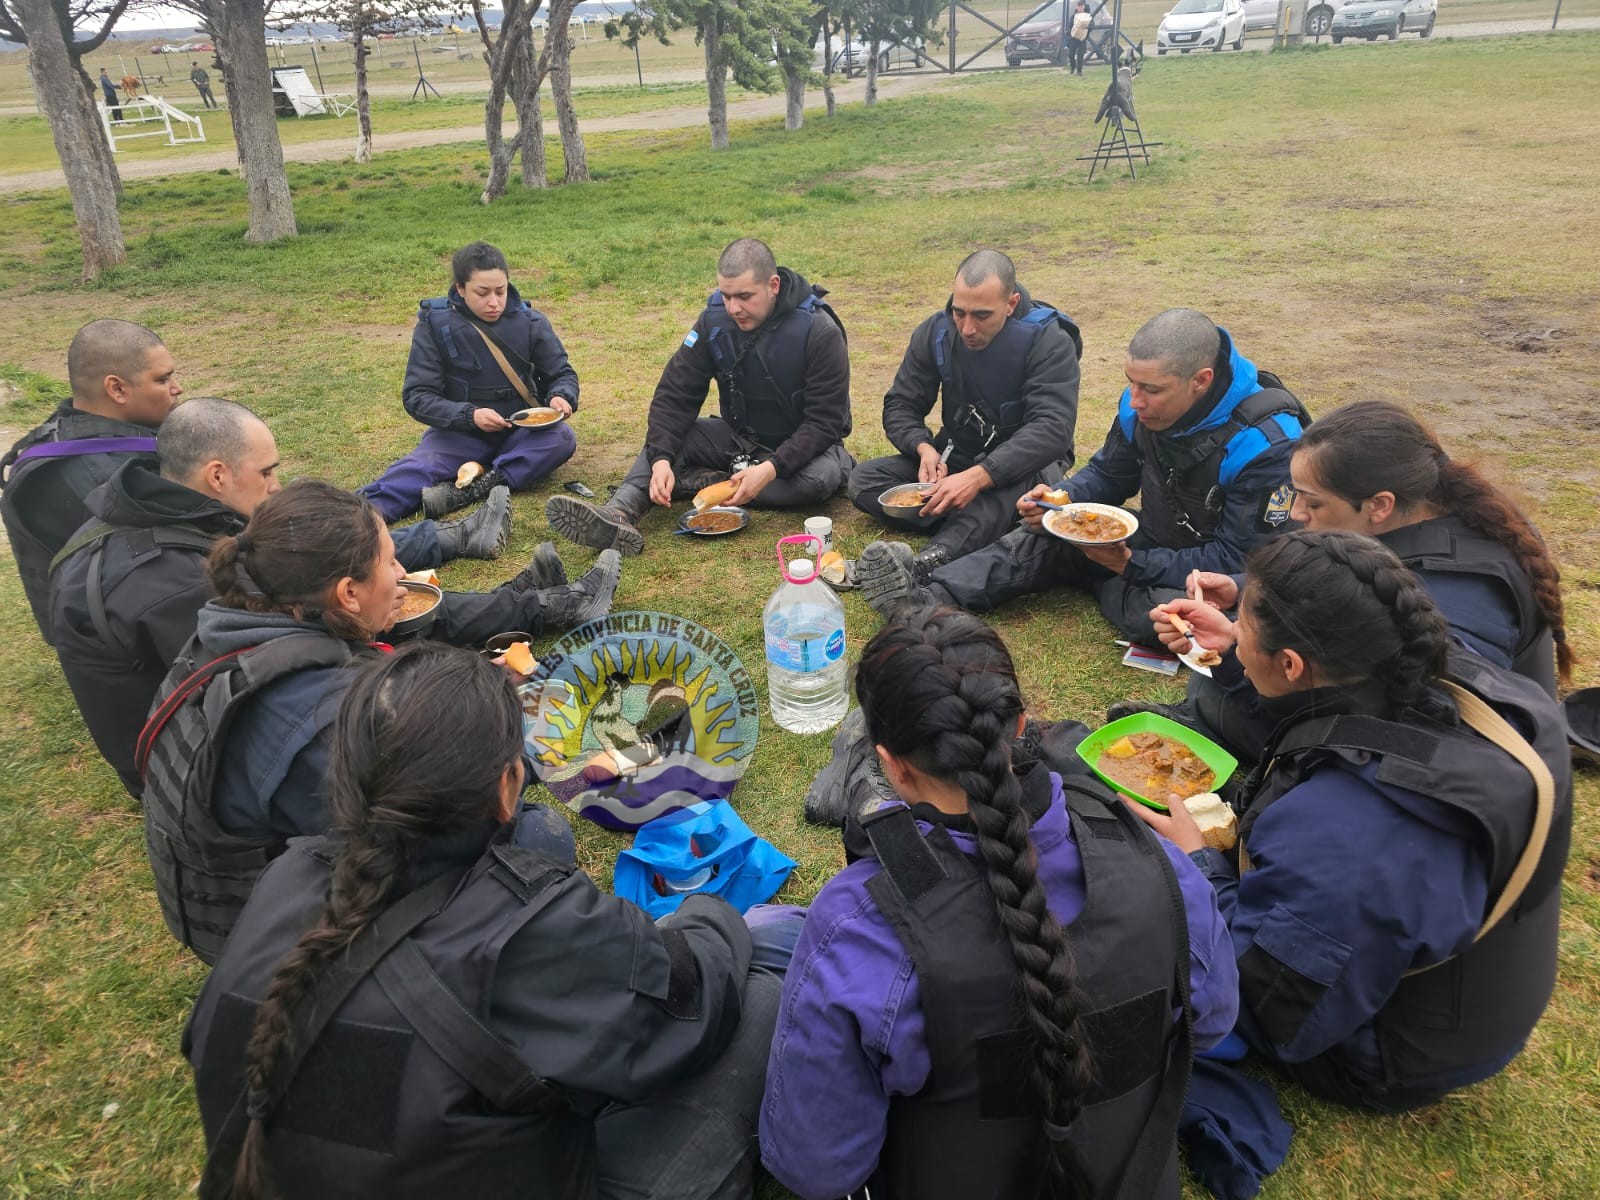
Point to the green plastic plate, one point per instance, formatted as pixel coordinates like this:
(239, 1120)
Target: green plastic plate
(1207, 751)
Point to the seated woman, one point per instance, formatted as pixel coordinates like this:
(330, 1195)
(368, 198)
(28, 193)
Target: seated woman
(940, 1034)
(414, 1006)
(302, 593)
(1371, 468)
(1395, 826)
(479, 354)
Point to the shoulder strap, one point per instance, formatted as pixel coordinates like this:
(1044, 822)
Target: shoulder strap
(1476, 713)
(1041, 314)
(311, 1016)
(1250, 412)
(900, 848)
(187, 536)
(500, 360)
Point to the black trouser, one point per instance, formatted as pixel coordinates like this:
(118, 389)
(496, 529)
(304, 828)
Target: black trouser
(987, 519)
(1024, 562)
(1075, 49)
(712, 443)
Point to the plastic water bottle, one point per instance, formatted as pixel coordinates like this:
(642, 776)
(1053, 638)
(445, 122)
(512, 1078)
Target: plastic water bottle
(804, 627)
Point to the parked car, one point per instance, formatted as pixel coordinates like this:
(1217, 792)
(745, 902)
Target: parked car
(852, 59)
(1201, 25)
(1372, 19)
(1319, 17)
(1260, 14)
(1047, 39)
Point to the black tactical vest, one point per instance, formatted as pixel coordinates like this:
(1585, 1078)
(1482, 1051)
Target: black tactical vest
(981, 390)
(203, 873)
(1450, 547)
(974, 1131)
(761, 376)
(385, 1103)
(1181, 498)
(1480, 1005)
(471, 375)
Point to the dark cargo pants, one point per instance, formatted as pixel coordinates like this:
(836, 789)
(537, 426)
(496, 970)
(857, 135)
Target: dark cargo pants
(711, 445)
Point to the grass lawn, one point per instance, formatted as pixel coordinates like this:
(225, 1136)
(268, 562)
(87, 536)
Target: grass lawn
(1364, 224)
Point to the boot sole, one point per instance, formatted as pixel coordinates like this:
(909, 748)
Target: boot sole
(884, 590)
(586, 525)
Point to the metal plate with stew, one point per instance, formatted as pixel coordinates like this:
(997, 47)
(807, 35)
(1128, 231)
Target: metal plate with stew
(714, 521)
(1091, 524)
(537, 418)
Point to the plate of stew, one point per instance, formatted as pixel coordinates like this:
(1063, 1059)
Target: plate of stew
(715, 521)
(537, 418)
(1087, 524)
(1151, 759)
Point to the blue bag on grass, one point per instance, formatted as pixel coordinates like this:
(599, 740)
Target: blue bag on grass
(704, 849)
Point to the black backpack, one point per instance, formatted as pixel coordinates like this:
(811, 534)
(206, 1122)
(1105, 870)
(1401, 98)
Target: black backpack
(203, 873)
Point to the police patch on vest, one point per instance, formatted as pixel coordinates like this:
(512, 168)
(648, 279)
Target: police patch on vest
(691, 337)
(1276, 510)
(639, 714)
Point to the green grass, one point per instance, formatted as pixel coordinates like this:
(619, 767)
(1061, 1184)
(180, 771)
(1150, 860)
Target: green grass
(1365, 224)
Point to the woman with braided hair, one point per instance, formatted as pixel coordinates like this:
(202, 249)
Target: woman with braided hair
(415, 1005)
(1412, 796)
(974, 1008)
(1372, 468)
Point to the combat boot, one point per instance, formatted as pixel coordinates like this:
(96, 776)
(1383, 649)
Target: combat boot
(444, 498)
(888, 579)
(482, 535)
(613, 525)
(544, 570)
(569, 605)
(928, 561)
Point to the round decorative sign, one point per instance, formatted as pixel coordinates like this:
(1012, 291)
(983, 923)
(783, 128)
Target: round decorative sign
(637, 714)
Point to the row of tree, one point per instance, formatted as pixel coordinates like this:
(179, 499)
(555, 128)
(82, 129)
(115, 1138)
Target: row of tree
(764, 45)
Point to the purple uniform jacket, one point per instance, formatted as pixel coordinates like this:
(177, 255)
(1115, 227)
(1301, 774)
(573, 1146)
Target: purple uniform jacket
(850, 1033)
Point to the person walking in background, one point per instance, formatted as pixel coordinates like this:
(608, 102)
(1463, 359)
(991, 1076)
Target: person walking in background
(202, 84)
(110, 91)
(1078, 37)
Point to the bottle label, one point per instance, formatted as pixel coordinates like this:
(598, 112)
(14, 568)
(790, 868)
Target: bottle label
(803, 650)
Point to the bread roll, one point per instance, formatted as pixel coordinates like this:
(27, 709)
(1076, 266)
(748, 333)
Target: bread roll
(831, 567)
(717, 493)
(467, 473)
(1216, 820)
(1058, 496)
(427, 575)
(520, 659)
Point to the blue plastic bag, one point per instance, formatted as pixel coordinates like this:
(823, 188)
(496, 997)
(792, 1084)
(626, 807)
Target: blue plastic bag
(704, 849)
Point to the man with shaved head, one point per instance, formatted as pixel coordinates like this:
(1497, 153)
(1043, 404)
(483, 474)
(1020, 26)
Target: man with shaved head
(1201, 435)
(777, 352)
(126, 590)
(1004, 369)
(124, 384)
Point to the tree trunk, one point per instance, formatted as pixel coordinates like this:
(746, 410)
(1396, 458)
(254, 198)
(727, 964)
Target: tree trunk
(500, 54)
(72, 117)
(363, 101)
(241, 26)
(716, 83)
(99, 146)
(573, 151)
(794, 94)
(526, 79)
(872, 71)
(827, 65)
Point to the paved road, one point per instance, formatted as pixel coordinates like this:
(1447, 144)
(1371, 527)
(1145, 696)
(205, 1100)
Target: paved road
(666, 118)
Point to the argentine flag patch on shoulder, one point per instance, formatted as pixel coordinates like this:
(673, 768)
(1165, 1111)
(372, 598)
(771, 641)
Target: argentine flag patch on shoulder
(691, 337)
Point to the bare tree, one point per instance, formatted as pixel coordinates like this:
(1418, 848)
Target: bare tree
(555, 59)
(239, 28)
(66, 94)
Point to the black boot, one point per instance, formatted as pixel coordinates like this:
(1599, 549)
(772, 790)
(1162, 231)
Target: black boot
(571, 604)
(544, 570)
(887, 578)
(609, 526)
(928, 561)
(482, 535)
(444, 498)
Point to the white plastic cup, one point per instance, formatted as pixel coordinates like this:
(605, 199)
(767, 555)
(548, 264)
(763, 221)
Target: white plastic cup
(822, 529)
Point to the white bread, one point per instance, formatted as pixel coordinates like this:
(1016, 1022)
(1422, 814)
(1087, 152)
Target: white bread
(1057, 496)
(468, 472)
(831, 566)
(1216, 820)
(715, 494)
(426, 575)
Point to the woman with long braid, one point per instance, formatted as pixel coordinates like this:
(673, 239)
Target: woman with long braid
(999, 997)
(413, 1006)
(1388, 833)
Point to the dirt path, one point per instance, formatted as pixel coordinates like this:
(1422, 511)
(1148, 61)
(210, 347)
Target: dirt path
(336, 148)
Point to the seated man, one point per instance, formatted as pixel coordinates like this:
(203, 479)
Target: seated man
(127, 589)
(124, 384)
(479, 355)
(1005, 370)
(778, 355)
(1201, 435)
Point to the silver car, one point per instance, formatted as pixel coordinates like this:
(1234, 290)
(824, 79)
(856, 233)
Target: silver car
(1372, 19)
